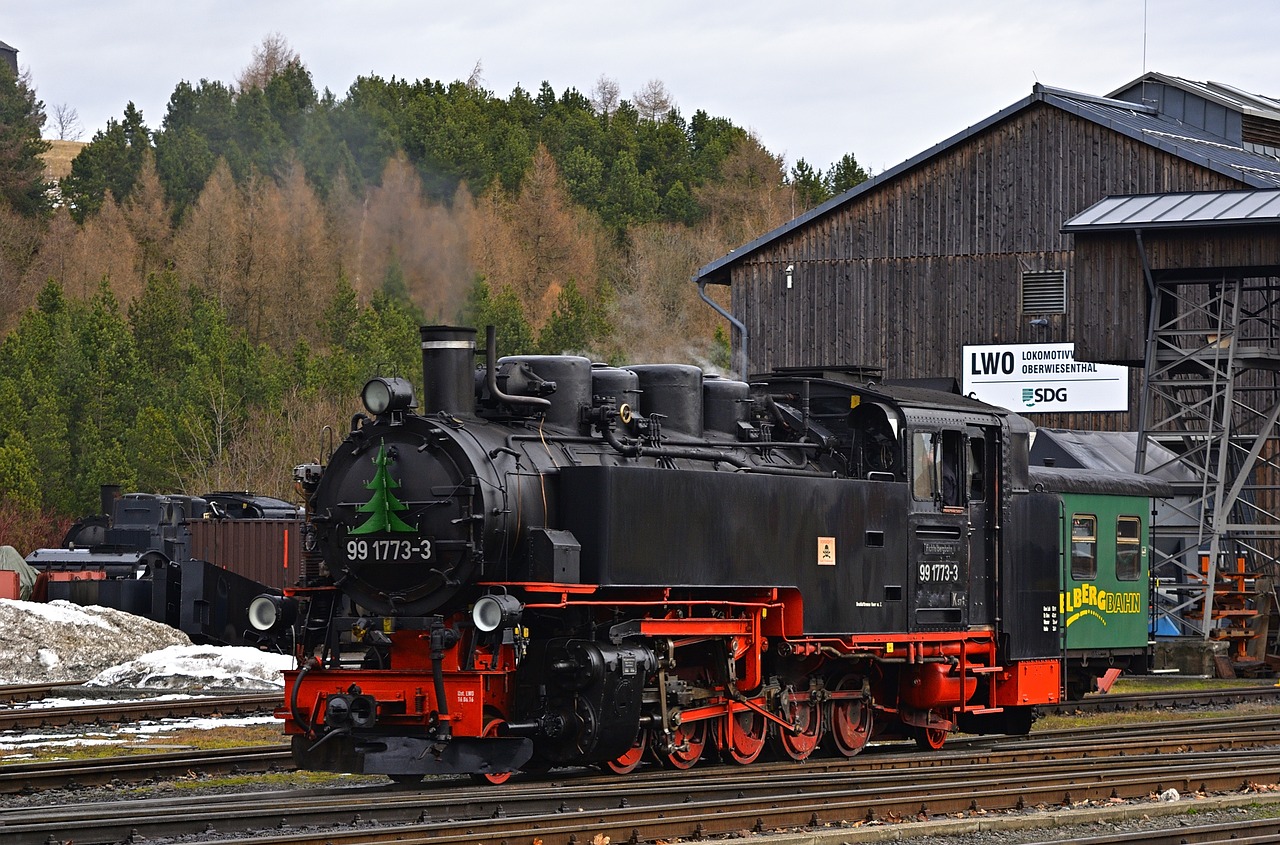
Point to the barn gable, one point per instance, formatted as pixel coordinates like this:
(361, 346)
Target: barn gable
(9, 56)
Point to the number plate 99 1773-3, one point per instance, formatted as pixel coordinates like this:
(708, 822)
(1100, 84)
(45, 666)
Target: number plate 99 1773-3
(388, 551)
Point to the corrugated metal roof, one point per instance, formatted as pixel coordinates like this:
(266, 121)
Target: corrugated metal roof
(1142, 123)
(1108, 451)
(1186, 142)
(1217, 92)
(1170, 211)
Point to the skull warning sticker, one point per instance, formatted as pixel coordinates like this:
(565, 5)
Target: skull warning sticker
(826, 551)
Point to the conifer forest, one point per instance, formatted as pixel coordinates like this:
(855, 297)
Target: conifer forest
(207, 290)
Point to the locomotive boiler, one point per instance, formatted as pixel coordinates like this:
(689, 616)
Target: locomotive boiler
(547, 562)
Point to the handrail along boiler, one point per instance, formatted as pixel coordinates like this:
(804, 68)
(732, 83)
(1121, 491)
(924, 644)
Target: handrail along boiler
(553, 562)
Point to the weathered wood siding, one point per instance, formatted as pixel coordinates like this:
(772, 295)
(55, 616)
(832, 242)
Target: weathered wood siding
(1172, 254)
(906, 274)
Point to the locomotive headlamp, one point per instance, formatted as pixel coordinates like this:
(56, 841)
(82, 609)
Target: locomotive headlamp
(493, 612)
(272, 614)
(381, 395)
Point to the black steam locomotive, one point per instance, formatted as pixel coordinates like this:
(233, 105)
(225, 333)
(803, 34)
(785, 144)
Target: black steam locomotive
(552, 562)
(192, 562)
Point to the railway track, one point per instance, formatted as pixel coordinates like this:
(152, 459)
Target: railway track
(141, 766)
(652, 805)
(28, 778)
(1175, 699)
(15, 693)
(109, 712)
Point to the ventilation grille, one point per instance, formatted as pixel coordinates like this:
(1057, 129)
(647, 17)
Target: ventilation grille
(1260, 131)
(1044, 292)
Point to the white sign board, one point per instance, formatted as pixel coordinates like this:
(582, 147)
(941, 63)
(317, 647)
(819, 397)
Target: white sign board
(1043, 378)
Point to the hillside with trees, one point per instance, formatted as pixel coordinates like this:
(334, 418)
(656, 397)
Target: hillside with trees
(196, 300)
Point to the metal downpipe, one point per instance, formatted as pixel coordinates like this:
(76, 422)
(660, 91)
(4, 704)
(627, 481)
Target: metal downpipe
(737, 324)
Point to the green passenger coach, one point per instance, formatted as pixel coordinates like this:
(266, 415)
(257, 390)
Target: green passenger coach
(1104, 567)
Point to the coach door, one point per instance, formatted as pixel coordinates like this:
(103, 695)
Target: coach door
(939, 529)
(981, 450)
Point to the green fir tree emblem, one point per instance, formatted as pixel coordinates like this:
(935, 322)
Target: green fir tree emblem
(383, 507)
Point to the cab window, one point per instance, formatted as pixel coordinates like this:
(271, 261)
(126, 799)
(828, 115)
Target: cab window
(949, 478)
(977, 462)
(922, 450)
(1084, 547)
(1128, 548)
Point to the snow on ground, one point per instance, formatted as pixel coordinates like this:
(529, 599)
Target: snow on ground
(199, 667)
(61, 641)
(120, 735)
(106, 648)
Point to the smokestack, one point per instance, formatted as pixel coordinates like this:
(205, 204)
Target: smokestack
(448, 369)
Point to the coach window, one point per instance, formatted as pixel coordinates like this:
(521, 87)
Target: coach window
(1084, 547)
(1128, 548)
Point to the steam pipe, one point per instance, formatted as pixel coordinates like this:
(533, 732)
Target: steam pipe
(491, 375)
(635, 450)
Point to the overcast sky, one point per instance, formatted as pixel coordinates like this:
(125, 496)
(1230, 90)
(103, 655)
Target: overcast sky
(815, 79)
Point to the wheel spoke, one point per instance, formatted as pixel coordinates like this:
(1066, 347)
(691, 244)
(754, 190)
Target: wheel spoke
(689, 740)
(850, 719)
(799, 744)
(742, 736)
(929, 739)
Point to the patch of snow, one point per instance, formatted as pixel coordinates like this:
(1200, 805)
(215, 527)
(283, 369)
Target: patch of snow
(197, 723)
(199, 667)
(123, 735)
(61, 641)
(63, 612)
(58, 741)
(115, 699)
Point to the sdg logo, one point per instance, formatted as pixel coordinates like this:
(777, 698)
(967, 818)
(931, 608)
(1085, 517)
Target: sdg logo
(1034, 396)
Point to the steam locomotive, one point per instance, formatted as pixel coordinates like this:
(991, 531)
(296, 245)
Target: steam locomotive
(192, 562)
(552, 562)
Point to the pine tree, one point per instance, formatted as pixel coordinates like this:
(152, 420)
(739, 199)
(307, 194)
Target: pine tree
(503, 311)
(384, 507)
(810, 185)
(112, 161)
(22, 184)
(573, 325)
(845, 174)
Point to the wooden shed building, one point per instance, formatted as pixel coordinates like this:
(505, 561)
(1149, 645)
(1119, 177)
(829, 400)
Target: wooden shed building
(963, 244)
(9, 55)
